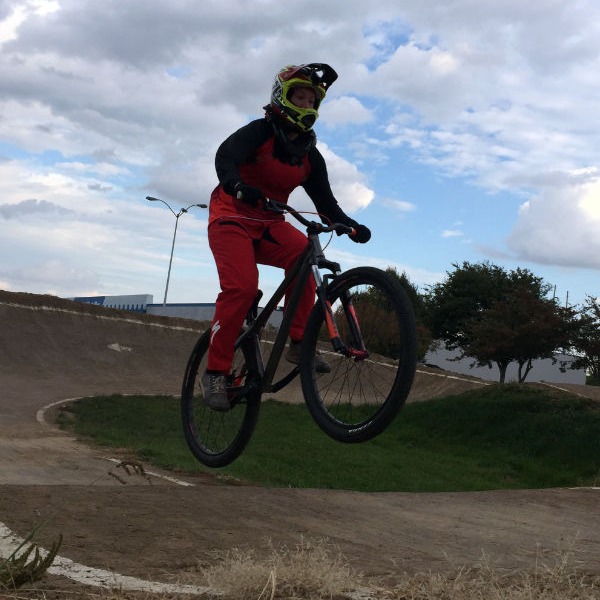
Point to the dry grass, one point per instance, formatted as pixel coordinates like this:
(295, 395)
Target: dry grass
(312, 569)
(318, 570)
(556, 582)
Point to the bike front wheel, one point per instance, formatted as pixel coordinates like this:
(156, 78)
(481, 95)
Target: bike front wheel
(218, 438)
(369, 384)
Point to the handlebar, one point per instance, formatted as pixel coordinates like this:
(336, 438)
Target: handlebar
(313, 227)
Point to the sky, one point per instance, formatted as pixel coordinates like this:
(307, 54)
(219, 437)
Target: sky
(458, 130)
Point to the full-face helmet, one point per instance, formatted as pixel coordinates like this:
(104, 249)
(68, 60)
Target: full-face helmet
(317, 76)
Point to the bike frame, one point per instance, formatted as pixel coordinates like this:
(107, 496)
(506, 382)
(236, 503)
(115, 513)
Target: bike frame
(309, 262)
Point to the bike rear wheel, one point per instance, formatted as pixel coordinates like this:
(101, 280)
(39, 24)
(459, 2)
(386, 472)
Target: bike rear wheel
(364, 391)
(217, 438)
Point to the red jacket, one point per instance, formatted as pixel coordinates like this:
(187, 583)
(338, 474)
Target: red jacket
(254, 155)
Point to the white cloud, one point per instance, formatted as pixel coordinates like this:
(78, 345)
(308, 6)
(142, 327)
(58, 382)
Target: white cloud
(9, 25)
(450, 233)
(560, 227)
(348, 183)
(399, 206)
(104, 103)
(589, 202)
(419, 276)
(345, 109)
(28, 207)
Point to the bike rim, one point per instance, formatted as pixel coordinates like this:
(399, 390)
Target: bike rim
(359, 397)
(217, 438)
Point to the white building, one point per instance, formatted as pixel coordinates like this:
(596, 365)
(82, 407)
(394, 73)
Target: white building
(543, 369)
(197, 311)
(133, 302)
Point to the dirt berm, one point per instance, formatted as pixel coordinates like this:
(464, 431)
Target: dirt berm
(54, 349)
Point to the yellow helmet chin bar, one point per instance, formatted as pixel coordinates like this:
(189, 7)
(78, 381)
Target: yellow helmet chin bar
(318, 76)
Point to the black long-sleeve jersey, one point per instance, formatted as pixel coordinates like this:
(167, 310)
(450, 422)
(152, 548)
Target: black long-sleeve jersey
(239, 151)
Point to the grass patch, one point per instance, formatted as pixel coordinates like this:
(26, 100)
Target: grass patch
(26, 564)
(497, 438)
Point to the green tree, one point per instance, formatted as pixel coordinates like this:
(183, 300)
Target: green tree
(497, 316)
(380, 335)
(586, 339)
(520, 328)
(418, 304)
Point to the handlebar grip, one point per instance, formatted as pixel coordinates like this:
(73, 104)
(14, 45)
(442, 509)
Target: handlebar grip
(347, 229)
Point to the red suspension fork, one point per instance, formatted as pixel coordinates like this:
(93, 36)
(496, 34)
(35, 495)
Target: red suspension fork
(332, 328)
(357, 350)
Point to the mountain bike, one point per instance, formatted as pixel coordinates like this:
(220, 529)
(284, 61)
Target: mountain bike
(362, 323)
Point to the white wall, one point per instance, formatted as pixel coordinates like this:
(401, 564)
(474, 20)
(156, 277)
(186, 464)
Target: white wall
(199, 312)
(133, 302)
(543, 369)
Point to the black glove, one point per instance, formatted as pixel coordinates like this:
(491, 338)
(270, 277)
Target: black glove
(248, 194)
(362, 235)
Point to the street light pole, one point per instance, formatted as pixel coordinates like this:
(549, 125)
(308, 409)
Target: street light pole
(176, 215)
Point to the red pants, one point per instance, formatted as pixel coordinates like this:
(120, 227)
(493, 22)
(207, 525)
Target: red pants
(238, 246)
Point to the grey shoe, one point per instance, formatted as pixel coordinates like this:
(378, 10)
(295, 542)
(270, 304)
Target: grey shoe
(214, 388)
(293, 355)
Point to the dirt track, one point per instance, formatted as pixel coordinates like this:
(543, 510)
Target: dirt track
(156, 530)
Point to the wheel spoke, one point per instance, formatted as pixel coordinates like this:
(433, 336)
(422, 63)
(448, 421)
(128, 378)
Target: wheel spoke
(359, 398)
(216, 438)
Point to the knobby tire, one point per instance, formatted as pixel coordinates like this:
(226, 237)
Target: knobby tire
(359, 399)
(215, 438)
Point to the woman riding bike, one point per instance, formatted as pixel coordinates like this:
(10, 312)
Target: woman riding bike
(267, 158)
